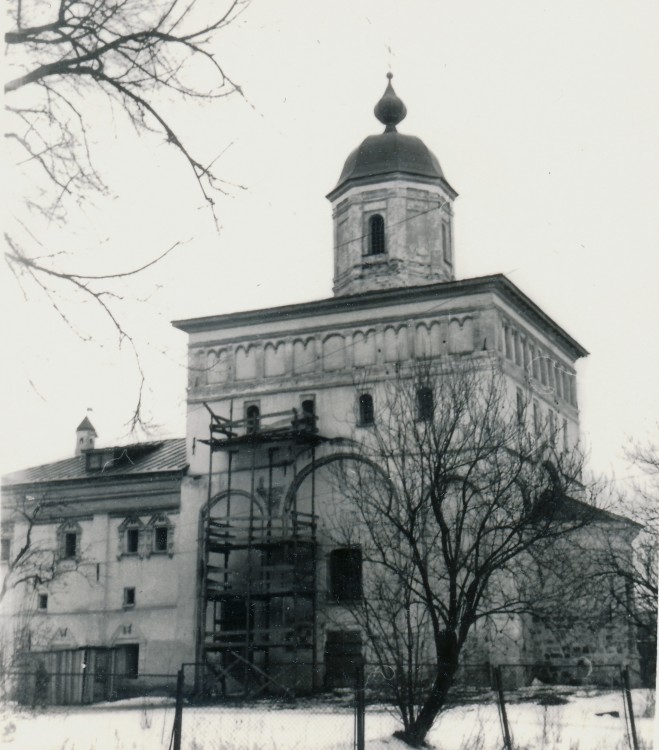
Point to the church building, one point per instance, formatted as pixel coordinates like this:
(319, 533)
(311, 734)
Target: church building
(277, 395)
(244, 579)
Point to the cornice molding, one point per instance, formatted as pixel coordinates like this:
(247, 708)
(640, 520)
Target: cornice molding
(383, 298)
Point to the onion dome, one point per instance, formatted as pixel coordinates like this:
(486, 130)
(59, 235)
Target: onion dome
(390, 110)
(390, 154)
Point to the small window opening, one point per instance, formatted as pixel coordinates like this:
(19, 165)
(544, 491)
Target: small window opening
(5, 550)
(161, 539)
(446, 245)
(537, 424)
(425, 403)
(366, 413)
(70, 544)
(132, 541)
(309, 412)
(43, 601)
(520, 407)
(129, 596)
(376, 235)
(253, 418)
(345, 580)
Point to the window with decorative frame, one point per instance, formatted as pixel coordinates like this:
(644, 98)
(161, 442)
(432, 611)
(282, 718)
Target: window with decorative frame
(69, 535)
(131, 538)
(161, 534)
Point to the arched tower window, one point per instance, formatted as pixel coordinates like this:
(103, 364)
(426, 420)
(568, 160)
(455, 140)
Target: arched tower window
(376, 235)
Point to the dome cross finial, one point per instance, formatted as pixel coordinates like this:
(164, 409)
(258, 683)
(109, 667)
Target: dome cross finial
(390, 110)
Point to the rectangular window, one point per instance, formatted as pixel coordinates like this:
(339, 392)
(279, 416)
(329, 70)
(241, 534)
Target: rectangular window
(445, 243)
(70, 544)
(552, 425)
(520, 407)
(565, 437)
(129, 596)
(160, 539)
(5, 550)
(366, 412)
(128, 660)
(309, 417)
(43, 601)
(425, 403)
(132, 541)
(345, 575)
(537, 426)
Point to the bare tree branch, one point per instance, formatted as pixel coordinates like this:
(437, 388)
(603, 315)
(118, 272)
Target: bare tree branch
(456, 503)
(143, 56)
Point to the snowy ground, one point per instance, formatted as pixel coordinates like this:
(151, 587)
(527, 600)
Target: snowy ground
(142, 725)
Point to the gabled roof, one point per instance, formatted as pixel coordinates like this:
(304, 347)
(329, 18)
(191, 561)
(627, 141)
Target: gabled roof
(113, 462)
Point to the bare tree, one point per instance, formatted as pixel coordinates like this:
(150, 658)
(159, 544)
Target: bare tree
(634, 593)
(67, 59)
(643, 507)
(28, 561)
(452, 502)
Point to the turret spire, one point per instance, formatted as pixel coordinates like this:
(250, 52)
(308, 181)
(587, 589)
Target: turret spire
(390, 110)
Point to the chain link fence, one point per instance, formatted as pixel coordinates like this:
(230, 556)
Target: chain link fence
(266, 713)
(513, 705)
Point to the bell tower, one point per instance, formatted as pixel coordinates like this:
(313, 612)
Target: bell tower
(392, 210)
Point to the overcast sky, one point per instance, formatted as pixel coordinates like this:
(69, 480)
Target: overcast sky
(544, 117)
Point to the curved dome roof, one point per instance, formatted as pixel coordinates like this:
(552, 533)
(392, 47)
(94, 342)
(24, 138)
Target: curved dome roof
(390, 152)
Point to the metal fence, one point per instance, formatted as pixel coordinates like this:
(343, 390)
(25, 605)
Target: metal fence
(511, 705)
(269, 713)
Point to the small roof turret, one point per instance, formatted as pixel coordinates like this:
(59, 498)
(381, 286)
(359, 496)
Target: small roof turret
(85, 437)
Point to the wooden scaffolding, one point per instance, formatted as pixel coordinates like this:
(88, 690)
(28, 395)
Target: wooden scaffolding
(258, 592)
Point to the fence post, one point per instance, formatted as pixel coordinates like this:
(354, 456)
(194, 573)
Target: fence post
(178, 713)
(507, 741)
(630, 707)
(360, 708)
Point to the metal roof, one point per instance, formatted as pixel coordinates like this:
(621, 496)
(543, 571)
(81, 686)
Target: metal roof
(115, 461)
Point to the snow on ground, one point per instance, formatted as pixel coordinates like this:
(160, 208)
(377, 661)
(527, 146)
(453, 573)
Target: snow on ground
(140, 724)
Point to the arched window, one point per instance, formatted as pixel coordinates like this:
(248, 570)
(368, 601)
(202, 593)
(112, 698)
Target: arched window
(161, 533)
(376, 235)
(252, 418)
(366, 413)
